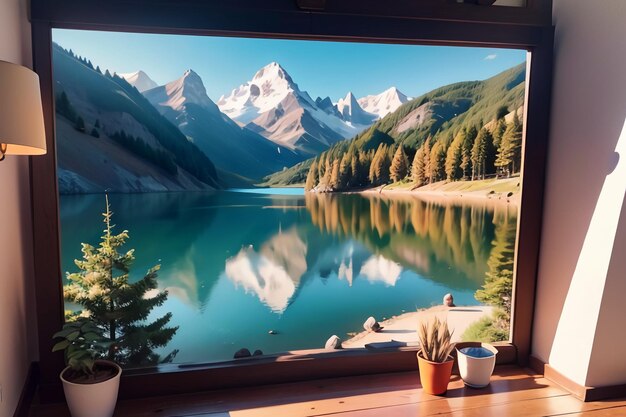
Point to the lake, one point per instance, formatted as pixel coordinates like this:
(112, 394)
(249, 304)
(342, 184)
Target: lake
(240, 263)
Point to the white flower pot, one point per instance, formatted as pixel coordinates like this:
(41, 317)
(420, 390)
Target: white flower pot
(476, 364)
(92, 400)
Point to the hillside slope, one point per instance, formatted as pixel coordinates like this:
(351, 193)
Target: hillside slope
(138, 149)
(440, 113)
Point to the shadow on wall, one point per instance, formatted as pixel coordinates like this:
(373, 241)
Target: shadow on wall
(581, 214)
(582, 328)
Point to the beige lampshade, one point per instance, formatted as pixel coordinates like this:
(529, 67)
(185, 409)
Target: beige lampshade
(21, 114)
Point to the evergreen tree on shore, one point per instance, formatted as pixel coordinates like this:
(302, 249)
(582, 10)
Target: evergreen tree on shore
(509, 151)
(437, 162)
(311, 178)
(453, 158)
(418, 172)
(426, 159)
(482, 151)
(399, 166)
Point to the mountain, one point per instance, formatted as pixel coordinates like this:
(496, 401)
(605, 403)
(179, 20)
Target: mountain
(273, 105)
(384, 103)
(109, 137)
(240, 151)
(352, 112)
(440, 113)
(139, 80)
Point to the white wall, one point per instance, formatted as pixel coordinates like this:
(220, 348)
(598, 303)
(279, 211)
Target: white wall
(17, 316)
(581, 295)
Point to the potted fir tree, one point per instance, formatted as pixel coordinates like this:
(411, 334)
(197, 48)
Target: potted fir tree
(435, 362)
(90, 385)
(118, 306)
(112, 323)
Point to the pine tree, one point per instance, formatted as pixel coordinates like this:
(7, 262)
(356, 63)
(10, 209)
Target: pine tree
(498, 132)
(80, 124)
(364, 166)
(399, 168)
(479, 154)
(501, 112)
(516, 143)
(418, 171)
(498, 287)
(375, 167)
(118, 307)
(437, 162)
(453, 158)
(355, 180)
(325, 179)
(311, 178)
(94, 133)
(345, 172)
(509, 152)
(466, 151)
(321, 167)
(334, 175)
(65, 108)
(426, 156)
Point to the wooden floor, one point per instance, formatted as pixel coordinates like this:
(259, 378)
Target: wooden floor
(513, 392)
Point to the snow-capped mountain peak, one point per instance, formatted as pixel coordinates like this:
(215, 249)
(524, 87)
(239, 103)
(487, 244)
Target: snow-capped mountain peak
(188, 89)
(352, 112)
(273, 105)
(269, 86)
(140, 80)
(384, 103)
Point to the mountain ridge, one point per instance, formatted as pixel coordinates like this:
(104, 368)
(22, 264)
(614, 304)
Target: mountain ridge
(185, 103)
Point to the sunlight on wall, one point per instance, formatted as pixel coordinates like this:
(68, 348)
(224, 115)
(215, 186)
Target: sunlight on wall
(573, 342)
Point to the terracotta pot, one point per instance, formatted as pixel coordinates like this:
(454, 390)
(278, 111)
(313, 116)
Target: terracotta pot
(435, 376)
(92, 400)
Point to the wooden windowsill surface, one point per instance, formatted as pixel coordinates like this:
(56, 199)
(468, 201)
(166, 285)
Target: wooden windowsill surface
(513, 391)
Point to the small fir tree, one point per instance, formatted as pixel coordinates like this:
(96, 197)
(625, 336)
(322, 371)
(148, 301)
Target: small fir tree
(399, 165)
(80, 124)
(311, 178)
(426, 156)
(453, 158)
(437, 162)
(118, 307)
(334, 175)
(418, 173)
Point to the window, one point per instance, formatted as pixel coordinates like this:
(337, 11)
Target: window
(525, 28)
(288, 189)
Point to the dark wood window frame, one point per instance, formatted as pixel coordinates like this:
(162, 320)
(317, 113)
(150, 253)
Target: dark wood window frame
(399, 21)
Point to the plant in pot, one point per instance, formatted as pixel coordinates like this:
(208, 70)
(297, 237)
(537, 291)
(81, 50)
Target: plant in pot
(90, 385)
(434, 359)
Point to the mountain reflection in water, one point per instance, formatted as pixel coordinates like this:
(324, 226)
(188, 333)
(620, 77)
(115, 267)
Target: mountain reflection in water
(238, 264)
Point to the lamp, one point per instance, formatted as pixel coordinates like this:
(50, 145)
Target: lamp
(21, 115)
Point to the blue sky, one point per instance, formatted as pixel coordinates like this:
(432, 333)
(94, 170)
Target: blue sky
(321, 68)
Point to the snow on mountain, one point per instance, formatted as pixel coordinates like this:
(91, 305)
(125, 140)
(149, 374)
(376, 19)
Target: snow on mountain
(384, 103)
(232, 148)
(273, 105)
(352, 112)
(178, 93)
(139, 80)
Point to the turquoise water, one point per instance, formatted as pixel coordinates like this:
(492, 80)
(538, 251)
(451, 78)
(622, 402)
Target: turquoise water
(240, 263)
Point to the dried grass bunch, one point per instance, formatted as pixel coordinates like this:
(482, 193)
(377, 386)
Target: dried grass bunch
(435, 340)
